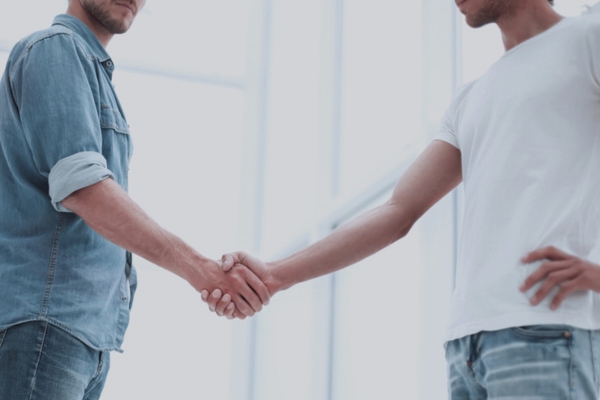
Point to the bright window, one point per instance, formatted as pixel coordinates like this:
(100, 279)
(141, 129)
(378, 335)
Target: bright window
(292, 122)
(381, 88)
(376, 325)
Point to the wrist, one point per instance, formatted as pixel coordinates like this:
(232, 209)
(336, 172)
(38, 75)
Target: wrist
(277, 280)
(194, 268)
(190, 265)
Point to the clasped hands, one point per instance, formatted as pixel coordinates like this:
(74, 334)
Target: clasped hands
(252, 284)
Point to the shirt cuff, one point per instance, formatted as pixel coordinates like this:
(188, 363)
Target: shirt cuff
(76, 172)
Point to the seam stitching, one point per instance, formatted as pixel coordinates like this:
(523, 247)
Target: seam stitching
(37, 364)
(52, 266)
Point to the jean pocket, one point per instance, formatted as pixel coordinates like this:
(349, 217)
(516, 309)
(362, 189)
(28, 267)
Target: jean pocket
(543, 331)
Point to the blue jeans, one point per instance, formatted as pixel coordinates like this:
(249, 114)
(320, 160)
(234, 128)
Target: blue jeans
(41, 362)
(542, 362)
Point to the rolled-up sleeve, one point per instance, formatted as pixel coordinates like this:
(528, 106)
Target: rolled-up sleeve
(76, 172)
(55, 87)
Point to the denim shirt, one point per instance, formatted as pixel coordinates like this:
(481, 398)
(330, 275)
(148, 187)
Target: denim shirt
(61, 129)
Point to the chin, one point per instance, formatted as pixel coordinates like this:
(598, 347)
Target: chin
(473, 23)
(119, 27)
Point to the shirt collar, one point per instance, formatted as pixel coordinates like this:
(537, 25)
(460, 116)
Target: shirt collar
(77, 26)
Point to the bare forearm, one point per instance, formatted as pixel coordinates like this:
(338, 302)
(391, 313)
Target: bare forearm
(435, 173)
(107, 209)
(347, 245)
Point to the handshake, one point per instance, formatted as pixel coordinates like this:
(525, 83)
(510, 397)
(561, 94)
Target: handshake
(240, 289)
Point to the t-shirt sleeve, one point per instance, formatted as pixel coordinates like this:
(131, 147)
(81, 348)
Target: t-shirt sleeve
(447, 132)
(59, 116)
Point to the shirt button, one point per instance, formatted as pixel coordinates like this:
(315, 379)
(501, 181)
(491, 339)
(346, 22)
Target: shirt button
(109, 63)
(124, 299)
(567, 334)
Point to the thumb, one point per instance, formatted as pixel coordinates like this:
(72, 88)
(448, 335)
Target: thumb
(228, 261)
(257, 266)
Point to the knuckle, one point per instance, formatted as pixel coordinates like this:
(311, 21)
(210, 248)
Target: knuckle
(543, 290)
(564, 290)
(237, 279)
(545, 268)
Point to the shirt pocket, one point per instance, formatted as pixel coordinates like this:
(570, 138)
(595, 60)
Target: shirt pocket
(117, 146)
(112, 119)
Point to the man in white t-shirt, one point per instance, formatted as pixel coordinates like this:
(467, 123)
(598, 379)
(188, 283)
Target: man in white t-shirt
(525, 140)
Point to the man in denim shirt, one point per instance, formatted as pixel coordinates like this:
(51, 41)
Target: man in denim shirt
(67, 224)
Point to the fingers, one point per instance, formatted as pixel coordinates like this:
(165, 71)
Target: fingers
(569, 275)
(251, 298)
(248, 292)
(228, 261)
(257, 287)
(550, 253)
(239, 285)
(554, 279)
(223, 304)
(214, 299)
(565, 290)
(229, 311)
(256, 265)
(544, 271)
(238, 314)
(243, 306)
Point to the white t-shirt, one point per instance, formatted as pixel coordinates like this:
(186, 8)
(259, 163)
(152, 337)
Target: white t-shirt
(529, 136)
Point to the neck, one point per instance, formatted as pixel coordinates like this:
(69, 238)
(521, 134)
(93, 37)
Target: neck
(76, 10)
(528, 19)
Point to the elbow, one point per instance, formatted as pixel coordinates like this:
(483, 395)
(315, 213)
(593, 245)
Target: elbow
(75, 202)
(402, 230)
(82, 200)
(405, 230)
(403, 221)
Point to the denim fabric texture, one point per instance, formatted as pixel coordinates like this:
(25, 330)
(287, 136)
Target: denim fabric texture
(41, 362)
(62, 128)
(539, 362)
